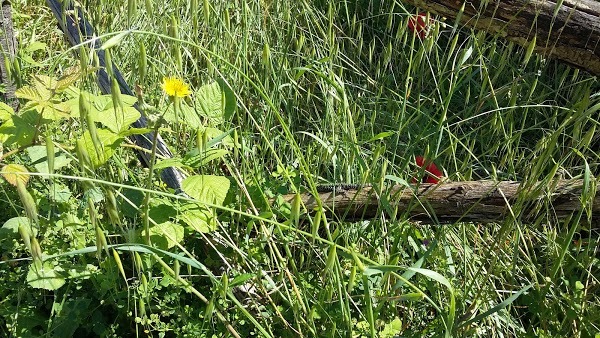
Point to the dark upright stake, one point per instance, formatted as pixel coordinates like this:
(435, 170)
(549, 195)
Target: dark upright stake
(78, 30)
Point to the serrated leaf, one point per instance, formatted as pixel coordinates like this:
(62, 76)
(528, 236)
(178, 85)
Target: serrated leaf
(59, 193)
(166, 235)
(109, 143)
(19, 129)
(197, 217)
(106, 102)
(184, 114)
(6, 111)
(69, 77)
(15, 172)
(28, 93)
(45, 86)
(13, 225)
(54, 110)
(206, 188)
(39, 159)
(117, 120)
(48, 276)
(212, 100)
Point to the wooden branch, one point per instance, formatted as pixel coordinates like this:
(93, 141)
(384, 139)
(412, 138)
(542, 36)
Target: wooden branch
(8, 44)
(568, 30)
(78, 30)
(477, 201)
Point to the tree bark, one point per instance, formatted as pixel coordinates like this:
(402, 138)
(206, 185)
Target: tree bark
(8, 44)
(568, 30)
(476, 201)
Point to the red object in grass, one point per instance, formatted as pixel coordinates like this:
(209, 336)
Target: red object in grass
(418, 25)
(432, 173)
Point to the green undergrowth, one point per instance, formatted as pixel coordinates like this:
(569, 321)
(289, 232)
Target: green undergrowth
(285, 96)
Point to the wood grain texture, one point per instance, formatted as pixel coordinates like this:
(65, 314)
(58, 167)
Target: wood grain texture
(568, 30)
(477, 201)
(8, 43)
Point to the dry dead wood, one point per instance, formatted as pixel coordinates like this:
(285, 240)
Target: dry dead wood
(568, 30)
(477, 201)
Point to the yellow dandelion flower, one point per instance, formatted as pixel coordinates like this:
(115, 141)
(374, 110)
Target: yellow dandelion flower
(175, 87)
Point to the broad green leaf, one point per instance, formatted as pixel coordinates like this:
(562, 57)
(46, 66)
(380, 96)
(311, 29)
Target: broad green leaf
(28, 93)
(109, 143)
(166, 235)
(117, 120)
(50, 110)
(392, 329)
(39, 159)
(6, 111)
(101, 110)
(206, 188)
(12, 226)
(69, 77)
(211, 101)
(70, 315)
(15, 172)
(54, 110)
(82, 271)
(45, 86)
(162, 212)
(59, 193)
(104, 102)
(197, 217)
(48, 276)
(184, 114)
(216, 102)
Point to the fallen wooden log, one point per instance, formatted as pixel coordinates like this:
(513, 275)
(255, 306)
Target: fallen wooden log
(568, 30)
(476, 201)
(78, 30)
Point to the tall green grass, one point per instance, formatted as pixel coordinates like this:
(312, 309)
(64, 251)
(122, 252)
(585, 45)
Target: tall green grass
(342, 92)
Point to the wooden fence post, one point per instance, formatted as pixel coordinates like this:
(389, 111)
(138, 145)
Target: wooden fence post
(8, 43)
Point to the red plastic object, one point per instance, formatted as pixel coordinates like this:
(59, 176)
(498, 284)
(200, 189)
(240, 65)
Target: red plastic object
(418, 25)
(432, 173)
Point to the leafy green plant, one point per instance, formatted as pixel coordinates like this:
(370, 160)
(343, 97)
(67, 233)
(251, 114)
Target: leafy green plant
(304, 93)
